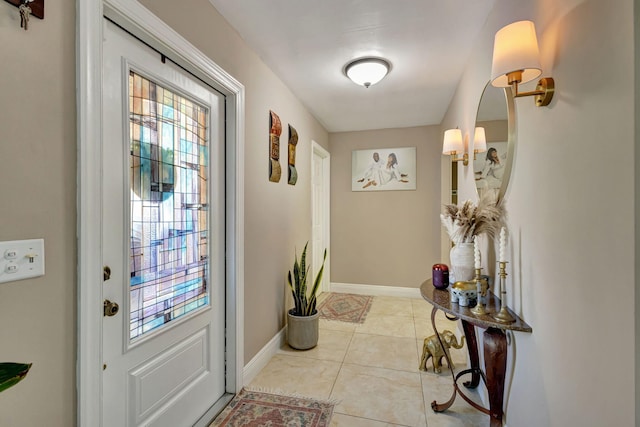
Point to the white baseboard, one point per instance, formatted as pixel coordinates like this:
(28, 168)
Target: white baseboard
(263, 357)
(375, 290)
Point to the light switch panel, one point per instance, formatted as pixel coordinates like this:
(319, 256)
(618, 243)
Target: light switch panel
(21, 259)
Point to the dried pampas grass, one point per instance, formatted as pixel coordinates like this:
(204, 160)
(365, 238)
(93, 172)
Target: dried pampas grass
(465, 222)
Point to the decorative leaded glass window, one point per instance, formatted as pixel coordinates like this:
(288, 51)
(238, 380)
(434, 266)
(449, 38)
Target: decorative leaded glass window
(169, 205)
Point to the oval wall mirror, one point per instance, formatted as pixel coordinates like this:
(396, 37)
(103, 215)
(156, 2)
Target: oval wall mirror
(492, 167)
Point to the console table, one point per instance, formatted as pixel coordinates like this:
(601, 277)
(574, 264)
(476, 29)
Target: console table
(495, 349)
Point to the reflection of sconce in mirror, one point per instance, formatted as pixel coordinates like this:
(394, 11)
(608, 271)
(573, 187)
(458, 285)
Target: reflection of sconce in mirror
(516, 60)
(453, 145)
(479, 142)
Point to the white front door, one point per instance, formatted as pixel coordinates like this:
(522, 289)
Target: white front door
(163, 228)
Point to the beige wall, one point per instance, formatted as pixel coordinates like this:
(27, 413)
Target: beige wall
(571, 214)
(495, 130)
(38, 189)
(389, 238)
(277, 215)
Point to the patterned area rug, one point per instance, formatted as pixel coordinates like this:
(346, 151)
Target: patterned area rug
(257, 409)
(345, 307)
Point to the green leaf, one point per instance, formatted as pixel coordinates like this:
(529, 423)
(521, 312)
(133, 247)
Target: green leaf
(303, 262)
(305, 305)
(316, 285)
(12, 373)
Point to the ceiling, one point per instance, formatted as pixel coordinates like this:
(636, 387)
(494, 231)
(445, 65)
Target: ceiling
(307, 43)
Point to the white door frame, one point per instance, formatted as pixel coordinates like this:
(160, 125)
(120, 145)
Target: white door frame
(139, 21)
(318, 150)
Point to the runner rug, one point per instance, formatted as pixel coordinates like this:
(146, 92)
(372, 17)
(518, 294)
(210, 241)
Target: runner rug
(345, 307)
(258, 409)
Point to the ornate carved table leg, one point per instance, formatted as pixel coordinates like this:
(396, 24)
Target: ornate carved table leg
(495, 361)
(439, 407)
(472, 348)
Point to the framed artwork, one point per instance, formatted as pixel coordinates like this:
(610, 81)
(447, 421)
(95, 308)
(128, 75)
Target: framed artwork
(383, 169)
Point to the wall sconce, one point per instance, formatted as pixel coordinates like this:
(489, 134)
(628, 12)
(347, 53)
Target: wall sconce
(479, 142)
(516, 60)
(453, 145)
(367, 71)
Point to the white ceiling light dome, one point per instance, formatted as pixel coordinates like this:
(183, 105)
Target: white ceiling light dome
(367, 71)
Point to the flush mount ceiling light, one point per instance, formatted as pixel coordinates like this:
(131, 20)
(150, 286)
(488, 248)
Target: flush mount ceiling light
(367, 71)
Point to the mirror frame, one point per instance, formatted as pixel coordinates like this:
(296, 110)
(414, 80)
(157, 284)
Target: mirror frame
(511, 138)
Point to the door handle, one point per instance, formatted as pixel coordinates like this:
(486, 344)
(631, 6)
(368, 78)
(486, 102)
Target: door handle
(110, 308)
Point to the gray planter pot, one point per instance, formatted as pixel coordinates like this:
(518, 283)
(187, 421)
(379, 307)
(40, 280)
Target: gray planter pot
(302, 331)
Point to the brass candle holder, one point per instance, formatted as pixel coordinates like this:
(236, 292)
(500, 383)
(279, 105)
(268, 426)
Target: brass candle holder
(503, 315)
(479, 309)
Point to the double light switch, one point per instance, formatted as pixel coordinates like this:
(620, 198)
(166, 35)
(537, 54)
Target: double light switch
(21, 259)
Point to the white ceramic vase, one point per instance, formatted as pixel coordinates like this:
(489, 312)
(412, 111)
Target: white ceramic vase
(462, 262)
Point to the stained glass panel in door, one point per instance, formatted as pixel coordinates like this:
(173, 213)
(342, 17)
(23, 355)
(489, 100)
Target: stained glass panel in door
(169, 205)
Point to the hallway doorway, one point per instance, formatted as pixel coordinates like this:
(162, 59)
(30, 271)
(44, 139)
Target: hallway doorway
(320, 212)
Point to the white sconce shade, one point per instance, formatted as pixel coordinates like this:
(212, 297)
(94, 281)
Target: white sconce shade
(479, 140)
(367, 71)
(515, 48)
(452, 142)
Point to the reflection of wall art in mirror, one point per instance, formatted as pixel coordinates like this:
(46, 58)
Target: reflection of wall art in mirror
(383, 169)
(496, 114)
(489, 168)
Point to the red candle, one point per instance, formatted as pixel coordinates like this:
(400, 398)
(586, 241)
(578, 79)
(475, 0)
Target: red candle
(440, 276)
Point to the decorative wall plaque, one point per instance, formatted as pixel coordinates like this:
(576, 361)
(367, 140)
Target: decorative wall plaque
(275, 129)
(293, 141)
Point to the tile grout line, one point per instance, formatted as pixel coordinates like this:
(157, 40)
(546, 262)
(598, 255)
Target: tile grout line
(333, 386)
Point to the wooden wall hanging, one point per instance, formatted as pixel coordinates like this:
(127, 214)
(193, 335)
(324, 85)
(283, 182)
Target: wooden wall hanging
(37, 6)
(293, 141)
(28, 8)
(275, 129)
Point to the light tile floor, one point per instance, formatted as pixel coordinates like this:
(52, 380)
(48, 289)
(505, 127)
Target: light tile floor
(372, 370)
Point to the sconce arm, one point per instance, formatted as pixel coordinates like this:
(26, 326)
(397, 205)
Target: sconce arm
(543, 93)
(464, 159)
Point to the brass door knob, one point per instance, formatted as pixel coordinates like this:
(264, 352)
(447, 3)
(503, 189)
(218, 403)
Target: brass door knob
(110, 308)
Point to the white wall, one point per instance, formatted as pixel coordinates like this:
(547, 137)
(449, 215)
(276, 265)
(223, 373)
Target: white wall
(571, 213)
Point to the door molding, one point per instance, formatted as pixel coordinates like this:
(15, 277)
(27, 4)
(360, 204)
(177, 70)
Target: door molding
(139, 21)
(320, 151)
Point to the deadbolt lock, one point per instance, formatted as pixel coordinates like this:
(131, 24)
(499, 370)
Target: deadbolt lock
(110, 308)
(106, 273)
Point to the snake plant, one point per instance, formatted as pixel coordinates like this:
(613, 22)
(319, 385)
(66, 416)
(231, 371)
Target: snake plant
(12, 373)
(304, 305)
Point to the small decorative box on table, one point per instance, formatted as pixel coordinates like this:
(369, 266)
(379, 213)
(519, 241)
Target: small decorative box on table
(495, 348)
